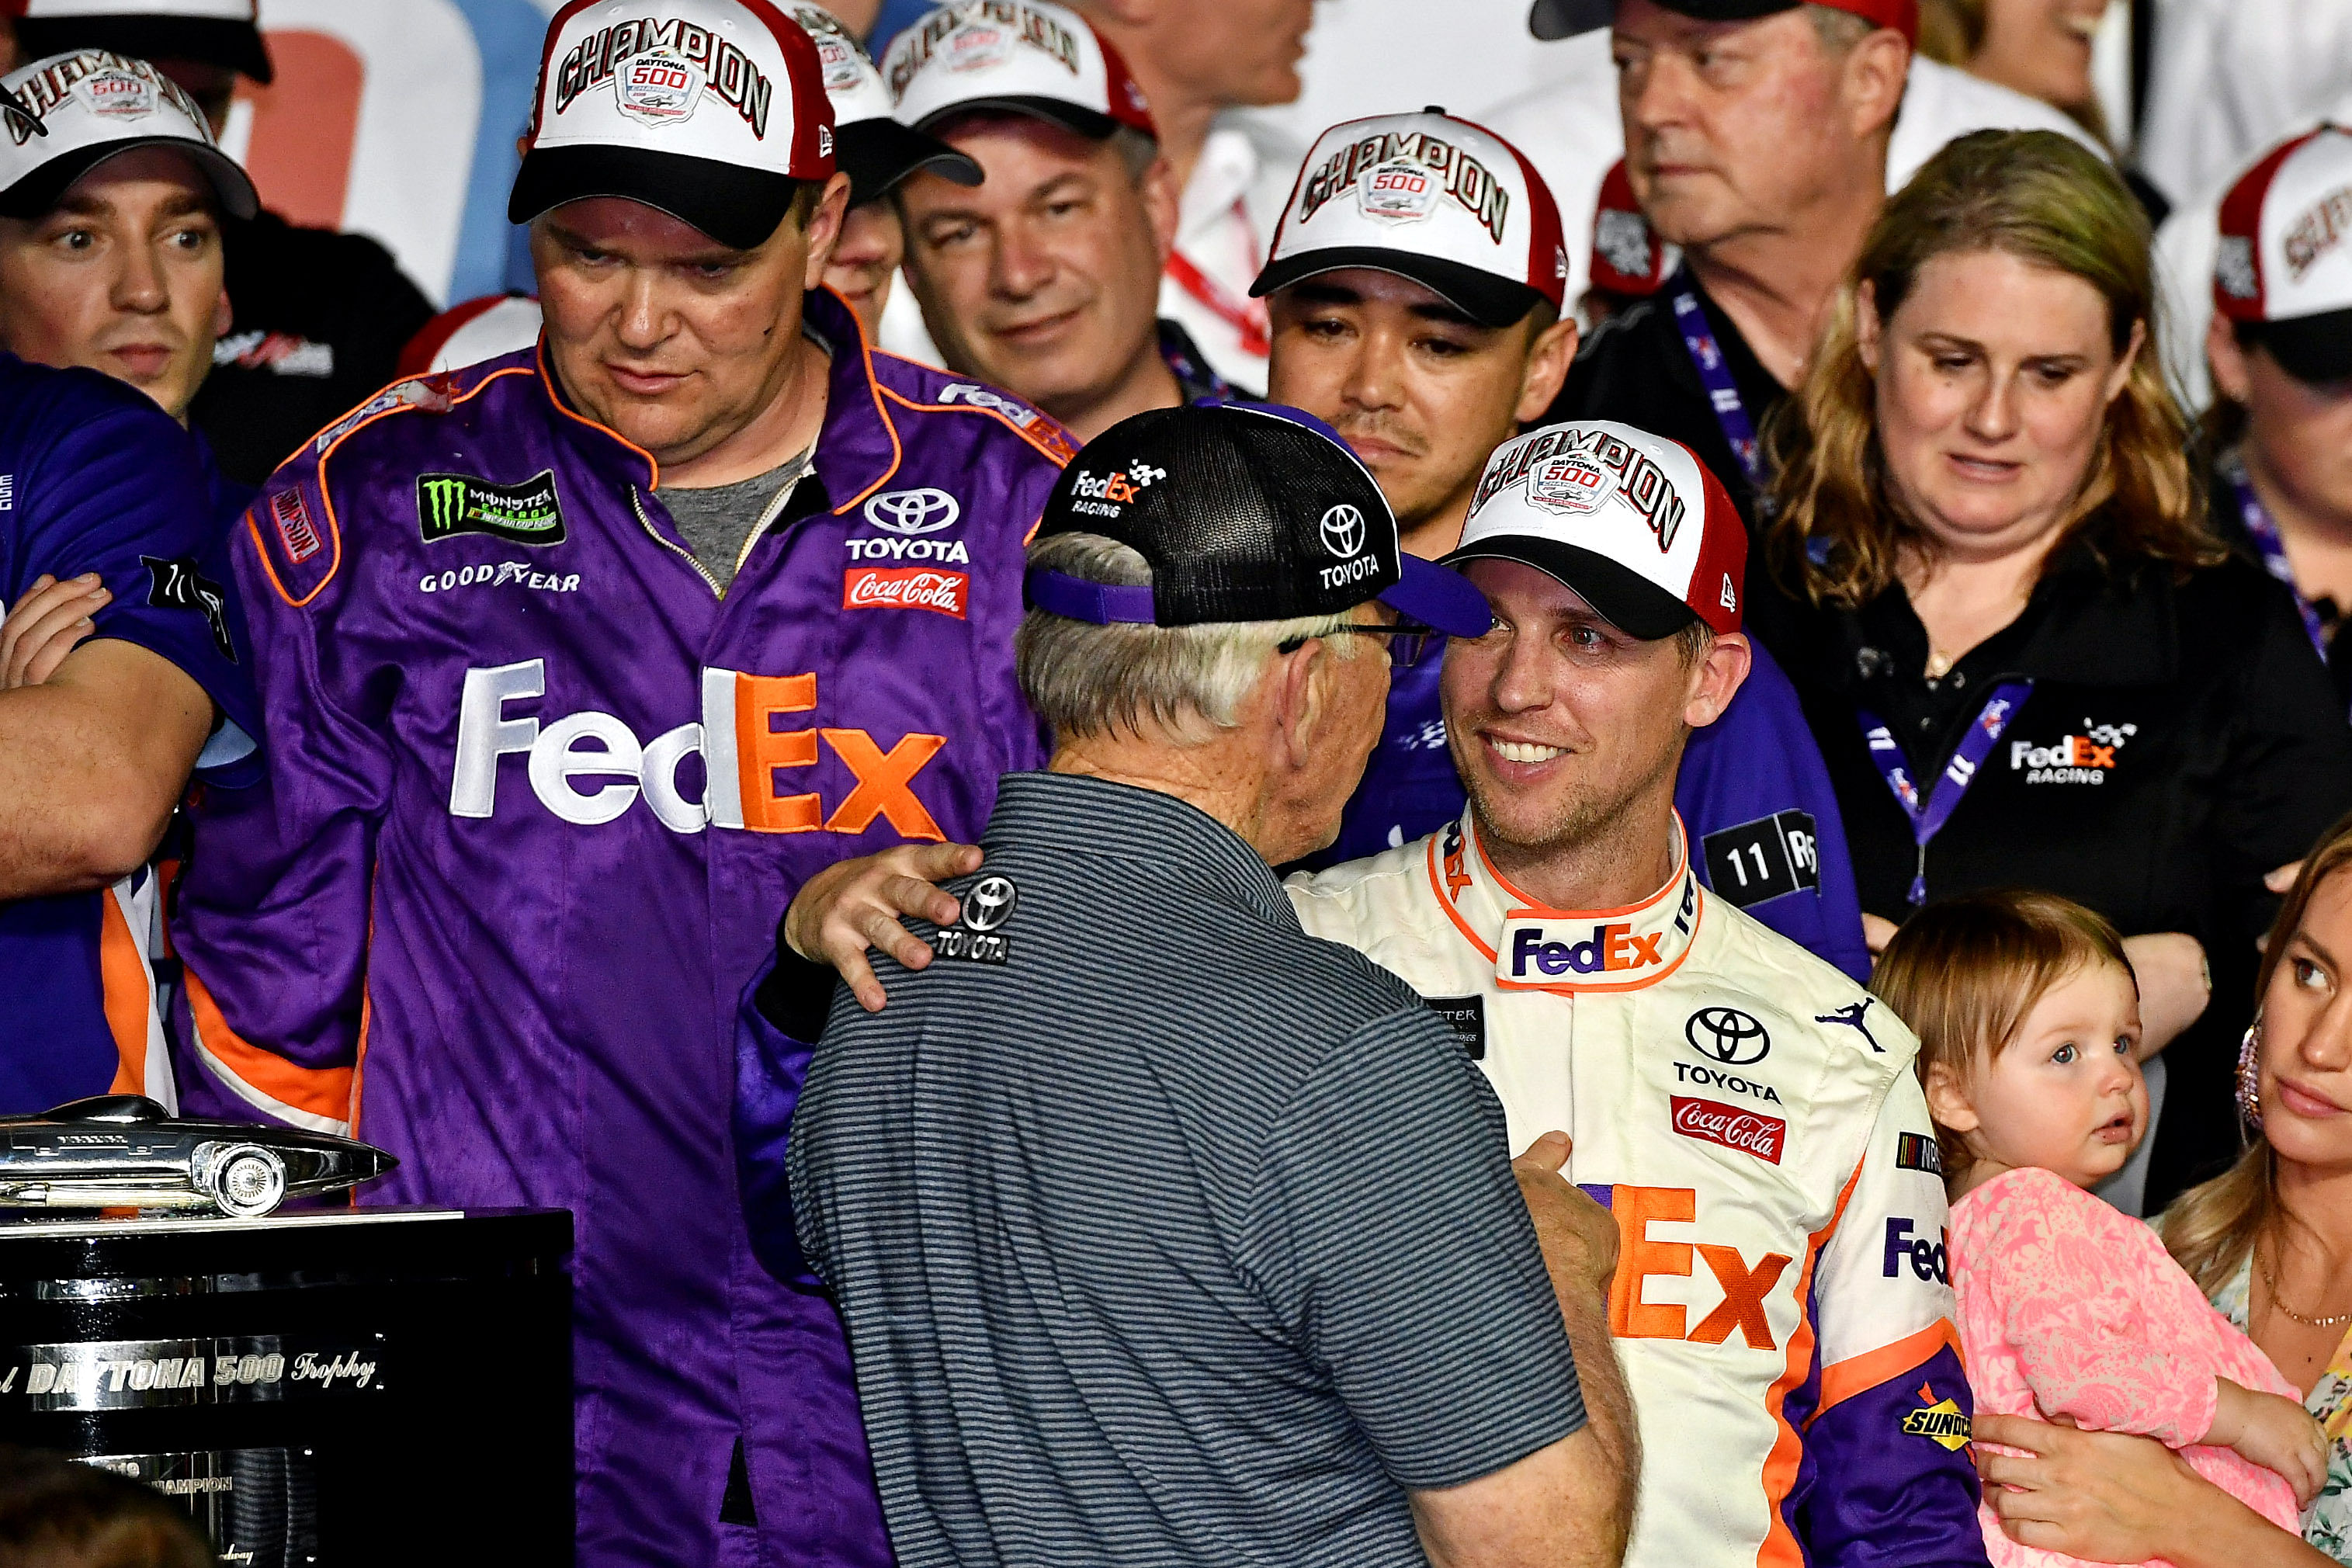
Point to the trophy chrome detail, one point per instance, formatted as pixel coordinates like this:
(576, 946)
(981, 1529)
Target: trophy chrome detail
(125, 1151)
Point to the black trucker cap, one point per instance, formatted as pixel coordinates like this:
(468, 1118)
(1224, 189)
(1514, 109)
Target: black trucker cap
(1246, 512)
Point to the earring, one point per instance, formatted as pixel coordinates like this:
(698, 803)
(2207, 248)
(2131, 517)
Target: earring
(2250, 1077)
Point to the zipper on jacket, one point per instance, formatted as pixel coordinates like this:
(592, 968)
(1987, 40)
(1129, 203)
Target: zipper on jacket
(654, 534)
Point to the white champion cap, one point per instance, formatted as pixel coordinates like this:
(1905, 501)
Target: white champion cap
(2284, 271)
(225, 32)
(711, 111)
(1632, 521)
(1430, 197)
(1027, 57)
(874, 150)
(66, 115)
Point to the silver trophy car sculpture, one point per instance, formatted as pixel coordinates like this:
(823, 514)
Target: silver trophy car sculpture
(125, 1150)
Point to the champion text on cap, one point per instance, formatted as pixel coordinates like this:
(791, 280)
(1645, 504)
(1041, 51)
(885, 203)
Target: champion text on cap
(1632, 521)
(711, 111)
(1427, 196)
(71, 112)
(1028, 56)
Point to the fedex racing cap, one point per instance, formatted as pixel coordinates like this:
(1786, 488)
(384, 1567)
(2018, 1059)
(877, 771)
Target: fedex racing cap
(1567, 19)
(225, 33)
(2284, 271)
(69, 113)
(1246, 512)
(1628, 256)
(873, 149)
(713, 111)
(1427, 196)
(1632, 521)
(1022, 56)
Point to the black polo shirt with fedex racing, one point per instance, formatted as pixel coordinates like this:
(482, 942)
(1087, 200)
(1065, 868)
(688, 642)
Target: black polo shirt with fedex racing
(1163, 1231)
(2181, 739)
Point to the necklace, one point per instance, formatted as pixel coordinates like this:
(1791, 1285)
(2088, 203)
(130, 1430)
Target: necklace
(1939, 664)
(2333, 1320)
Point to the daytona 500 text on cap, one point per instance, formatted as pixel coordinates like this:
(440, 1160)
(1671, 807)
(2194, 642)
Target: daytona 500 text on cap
(1246, 512)
(711, 110)
(1022, 56)
(1631, 521)
(69, 113)
(1447, 204)
(2283, 272)
(225, 33)
(1566, 19)
(869, 143)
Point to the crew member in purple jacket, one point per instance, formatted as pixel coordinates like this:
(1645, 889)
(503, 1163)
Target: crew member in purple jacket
(574, 665)
(1415, 288)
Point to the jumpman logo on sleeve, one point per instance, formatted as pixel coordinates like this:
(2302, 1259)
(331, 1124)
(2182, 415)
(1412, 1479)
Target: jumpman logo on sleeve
(1851, 1016)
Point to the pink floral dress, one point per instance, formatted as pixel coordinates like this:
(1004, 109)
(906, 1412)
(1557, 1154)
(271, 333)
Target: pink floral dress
(2069, 1307)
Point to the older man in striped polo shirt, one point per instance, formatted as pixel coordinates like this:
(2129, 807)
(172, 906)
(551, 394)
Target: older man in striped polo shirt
(1238, 1273)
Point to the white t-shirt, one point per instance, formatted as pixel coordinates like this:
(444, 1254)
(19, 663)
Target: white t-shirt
(2230, 78)
(1571, 130)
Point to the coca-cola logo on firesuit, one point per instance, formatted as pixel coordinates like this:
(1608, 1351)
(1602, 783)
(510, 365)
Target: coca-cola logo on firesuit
(905, 588)
(1746, 1131)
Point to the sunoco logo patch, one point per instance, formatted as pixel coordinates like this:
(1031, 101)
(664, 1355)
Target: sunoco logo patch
(527, 513)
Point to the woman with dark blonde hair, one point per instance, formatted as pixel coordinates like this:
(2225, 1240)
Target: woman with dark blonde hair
(2025, 658)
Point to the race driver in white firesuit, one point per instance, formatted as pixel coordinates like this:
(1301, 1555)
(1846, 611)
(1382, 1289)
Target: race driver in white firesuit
(1782, 1302)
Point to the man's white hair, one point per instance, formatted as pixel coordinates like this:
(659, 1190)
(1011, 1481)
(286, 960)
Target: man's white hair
(1184, 682)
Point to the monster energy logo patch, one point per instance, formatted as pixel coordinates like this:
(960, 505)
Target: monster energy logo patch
(526, 513)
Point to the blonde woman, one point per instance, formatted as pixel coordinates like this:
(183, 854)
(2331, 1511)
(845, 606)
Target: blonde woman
(2271, 1240)
(2024, 659)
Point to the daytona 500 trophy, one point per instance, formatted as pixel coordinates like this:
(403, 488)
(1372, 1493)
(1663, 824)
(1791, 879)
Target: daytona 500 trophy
(331, 1387)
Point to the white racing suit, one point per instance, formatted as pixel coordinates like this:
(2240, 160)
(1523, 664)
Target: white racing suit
(1781, 1306)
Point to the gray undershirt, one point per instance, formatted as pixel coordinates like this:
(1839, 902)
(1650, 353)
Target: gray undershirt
(718, 524)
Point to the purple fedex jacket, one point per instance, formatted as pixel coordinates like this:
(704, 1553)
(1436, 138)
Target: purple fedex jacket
(536, 798)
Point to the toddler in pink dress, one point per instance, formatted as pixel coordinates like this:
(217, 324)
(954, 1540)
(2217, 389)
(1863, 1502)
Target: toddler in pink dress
(2027, 1018)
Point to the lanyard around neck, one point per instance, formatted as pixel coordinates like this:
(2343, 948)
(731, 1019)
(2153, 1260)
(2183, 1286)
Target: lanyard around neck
(1928, 816)
(1722, 391)
(2264, 531)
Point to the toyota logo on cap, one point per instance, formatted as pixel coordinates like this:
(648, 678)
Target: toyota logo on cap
(1343, 531)
(913, 511)
(1727, 1036)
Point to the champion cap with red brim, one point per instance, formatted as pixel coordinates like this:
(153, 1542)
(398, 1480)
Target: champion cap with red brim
(69, 113)
(872, 147)
(713, 111)
(2282, 273)
(1567, 19)
(1633, 523)
(1246, 512)
(1430, 197)
(1013, 57)
(224, 33)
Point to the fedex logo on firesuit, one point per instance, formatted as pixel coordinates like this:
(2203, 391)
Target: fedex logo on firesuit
(1642, 1257)
(1609, 948)
(589, 768)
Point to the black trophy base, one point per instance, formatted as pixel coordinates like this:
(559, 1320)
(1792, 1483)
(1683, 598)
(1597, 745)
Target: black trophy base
(321, 1390)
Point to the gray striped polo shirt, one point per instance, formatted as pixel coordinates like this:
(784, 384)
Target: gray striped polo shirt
(1165, 1233)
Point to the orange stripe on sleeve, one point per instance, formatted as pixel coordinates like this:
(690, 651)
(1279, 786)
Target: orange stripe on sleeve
(1780, 1548)
(322, 1092)
(1861, 1374)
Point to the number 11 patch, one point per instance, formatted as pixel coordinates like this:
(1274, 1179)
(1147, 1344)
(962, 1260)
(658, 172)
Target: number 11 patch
(1769, 858)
